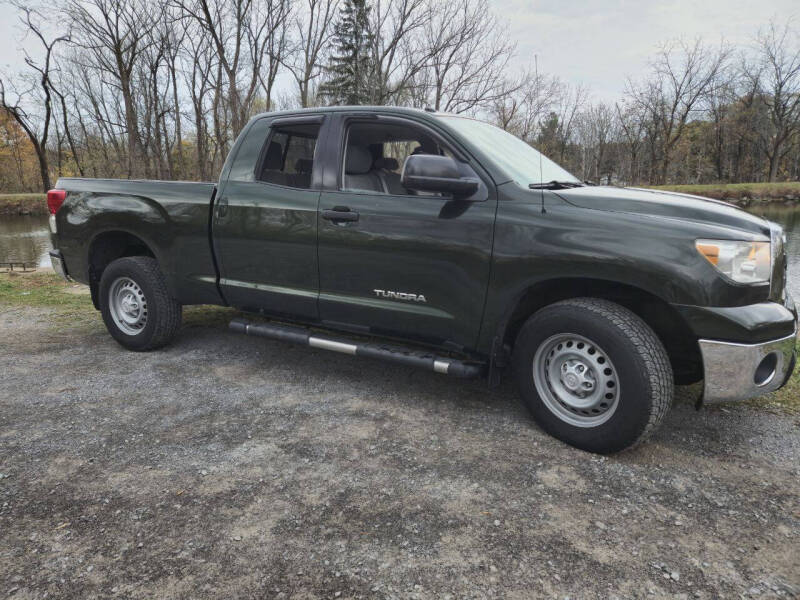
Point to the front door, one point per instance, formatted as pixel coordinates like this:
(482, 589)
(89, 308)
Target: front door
(265, 221)
(396, 262)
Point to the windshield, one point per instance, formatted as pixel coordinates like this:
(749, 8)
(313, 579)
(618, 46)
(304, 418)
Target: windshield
(519, 160)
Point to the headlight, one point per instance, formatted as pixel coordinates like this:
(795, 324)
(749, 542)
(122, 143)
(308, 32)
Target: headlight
(743, 262)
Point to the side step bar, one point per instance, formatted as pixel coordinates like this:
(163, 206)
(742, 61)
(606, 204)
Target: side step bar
(397, 354)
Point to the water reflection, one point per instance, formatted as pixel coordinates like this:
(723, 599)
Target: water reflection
(24, 238)
(789, 218)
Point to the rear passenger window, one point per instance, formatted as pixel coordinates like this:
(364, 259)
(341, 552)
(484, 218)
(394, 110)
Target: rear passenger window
(288, 156)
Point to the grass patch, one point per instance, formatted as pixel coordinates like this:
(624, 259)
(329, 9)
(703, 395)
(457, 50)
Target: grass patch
(67, 307)
(41, 289)
(23, 204)
(741, 192)
(72, 301)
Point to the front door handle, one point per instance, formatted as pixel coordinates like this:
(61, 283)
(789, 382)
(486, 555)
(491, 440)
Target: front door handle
(339, 214)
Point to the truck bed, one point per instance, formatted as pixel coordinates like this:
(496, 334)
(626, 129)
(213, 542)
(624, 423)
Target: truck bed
(170, 217)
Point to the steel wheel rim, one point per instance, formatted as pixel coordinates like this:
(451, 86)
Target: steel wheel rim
(576, 380)
(128, 305)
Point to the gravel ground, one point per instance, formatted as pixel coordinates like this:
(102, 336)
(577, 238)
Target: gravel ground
(234, 467)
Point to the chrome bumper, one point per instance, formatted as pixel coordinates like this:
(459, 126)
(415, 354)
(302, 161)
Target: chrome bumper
(742, 371)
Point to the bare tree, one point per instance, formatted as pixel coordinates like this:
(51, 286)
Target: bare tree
(103, 127)
(198, 79)
(775, 75)
(66, 126)
(569, 105)
(523, 103)
(468, 55)
(313, 26)
(115, 34)
(276, 23)
(174, 40)
(245, 34)
(153, 103)
(596, 126)
(397, 54)
(720, 100)
(36, 125)
(632, 129)
(682, 73)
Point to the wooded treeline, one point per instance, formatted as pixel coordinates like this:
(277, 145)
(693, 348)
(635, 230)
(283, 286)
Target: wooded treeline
(161, 88)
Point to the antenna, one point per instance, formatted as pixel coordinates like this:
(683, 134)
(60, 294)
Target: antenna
(541, 178)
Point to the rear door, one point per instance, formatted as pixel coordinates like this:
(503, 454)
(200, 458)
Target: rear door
(396, 262)
(265, 220)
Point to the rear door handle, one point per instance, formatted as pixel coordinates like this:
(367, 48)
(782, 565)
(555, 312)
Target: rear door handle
(340, 213)
(222, 207)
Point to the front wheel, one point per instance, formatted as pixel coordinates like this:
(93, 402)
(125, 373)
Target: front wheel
(136, 306)
(593, 374)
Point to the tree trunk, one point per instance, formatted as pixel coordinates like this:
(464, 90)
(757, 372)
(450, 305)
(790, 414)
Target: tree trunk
(774, 161)
(178, 132)
(44, 171)
(70, 140)
(134, 155)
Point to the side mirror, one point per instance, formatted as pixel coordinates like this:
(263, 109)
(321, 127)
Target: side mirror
(434, 173)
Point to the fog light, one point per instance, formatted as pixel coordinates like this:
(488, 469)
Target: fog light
(766, 369)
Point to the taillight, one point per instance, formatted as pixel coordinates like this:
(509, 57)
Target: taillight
(55, 198)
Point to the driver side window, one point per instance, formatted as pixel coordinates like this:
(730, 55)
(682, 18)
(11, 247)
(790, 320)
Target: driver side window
(376, 152)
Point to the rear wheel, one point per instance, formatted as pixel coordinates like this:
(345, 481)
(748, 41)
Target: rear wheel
(136, 306)
(593, 374)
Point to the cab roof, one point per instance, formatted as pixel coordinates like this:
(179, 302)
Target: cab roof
(400, 110)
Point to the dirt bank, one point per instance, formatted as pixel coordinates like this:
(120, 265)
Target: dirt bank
(23, 204)
(746, 195)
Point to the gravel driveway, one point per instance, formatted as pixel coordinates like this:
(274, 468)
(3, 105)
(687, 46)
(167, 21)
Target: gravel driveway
(235, 467)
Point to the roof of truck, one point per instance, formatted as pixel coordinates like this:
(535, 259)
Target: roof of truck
(324, 109)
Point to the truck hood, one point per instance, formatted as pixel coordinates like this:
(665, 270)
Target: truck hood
(664, 204)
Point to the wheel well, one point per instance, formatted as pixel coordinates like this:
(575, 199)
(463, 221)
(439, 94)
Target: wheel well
(678, 339)
(108, 247)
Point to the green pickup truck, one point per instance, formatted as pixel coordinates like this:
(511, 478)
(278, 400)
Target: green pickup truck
(445, 243)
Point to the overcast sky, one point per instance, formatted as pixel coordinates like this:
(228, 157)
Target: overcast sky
(602, 42)
(595, 42)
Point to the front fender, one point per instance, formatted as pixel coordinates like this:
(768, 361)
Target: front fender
(651, 254)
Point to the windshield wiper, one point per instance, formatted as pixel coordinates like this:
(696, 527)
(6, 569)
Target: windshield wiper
(554, 185)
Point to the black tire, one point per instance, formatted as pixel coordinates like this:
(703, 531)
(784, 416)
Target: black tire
(642, 373)
(162, 313)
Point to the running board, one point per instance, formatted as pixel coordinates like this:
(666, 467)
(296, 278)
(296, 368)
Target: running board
(397, 354)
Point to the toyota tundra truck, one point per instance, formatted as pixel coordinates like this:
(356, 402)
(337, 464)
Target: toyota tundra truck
(445, 243)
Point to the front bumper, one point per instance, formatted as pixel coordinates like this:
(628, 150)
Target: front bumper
(739, 371)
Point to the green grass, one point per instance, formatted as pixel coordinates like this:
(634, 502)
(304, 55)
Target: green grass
(41, 289)
(739, 192)
(23, 204)
(71, 302)
(47, 290)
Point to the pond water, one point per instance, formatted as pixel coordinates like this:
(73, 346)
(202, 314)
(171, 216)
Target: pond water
(26, 239)
(789, 218)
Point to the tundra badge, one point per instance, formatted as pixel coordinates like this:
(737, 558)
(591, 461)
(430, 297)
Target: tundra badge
(400, 296)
